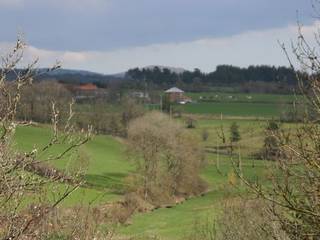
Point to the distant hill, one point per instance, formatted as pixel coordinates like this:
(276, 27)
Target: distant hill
(82, 76)
(63, 71)
(76, 76)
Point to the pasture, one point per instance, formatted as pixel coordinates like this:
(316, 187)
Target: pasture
(244, 97)
(235, 109)
(106, 164)
(178, 222)
(240, 104)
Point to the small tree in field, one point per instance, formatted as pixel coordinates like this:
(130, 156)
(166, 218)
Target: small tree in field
(271, 146)
(234, 133)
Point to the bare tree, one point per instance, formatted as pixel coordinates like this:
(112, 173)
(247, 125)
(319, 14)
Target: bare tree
(294, 198)
(21, 187)
(168, 158)
(36, 99)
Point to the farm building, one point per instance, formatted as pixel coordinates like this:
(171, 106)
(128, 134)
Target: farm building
(177, 95)
(87, 87)
(86, 91)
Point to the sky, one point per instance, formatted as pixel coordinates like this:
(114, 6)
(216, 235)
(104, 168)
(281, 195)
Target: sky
(110, 36)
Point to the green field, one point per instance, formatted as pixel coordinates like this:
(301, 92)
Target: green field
(107, 163)
(251, 131)
(178, 222)
(244, 97)
(258, 110)
(240, 104)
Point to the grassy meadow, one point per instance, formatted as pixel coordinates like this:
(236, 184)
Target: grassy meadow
(178, 222)
(258, 110)
(240, 104)
(107, 166)
(106, 163)
(243, 97)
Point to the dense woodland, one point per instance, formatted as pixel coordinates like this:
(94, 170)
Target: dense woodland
(251, 79)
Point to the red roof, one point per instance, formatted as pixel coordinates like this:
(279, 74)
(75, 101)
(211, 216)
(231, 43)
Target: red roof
(87, 87)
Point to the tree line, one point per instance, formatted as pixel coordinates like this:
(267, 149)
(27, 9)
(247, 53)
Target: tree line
(250, 79)
(267, 79)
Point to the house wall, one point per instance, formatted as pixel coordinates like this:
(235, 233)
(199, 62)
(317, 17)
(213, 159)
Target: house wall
(175, 97)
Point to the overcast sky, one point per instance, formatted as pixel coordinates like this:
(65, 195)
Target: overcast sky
(110, 36)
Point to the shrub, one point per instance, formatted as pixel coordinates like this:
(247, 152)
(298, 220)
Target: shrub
(271, 147)
(168, 158)
(240, 220)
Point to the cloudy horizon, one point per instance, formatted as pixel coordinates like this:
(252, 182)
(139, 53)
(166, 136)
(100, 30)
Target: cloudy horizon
(109, 36)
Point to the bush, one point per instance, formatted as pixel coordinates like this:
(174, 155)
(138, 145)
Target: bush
(240, 220)
(272, 126)
(271, 147)
(168, 158)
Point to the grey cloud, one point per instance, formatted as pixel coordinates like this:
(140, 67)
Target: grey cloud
(102, 25)
(255, 47)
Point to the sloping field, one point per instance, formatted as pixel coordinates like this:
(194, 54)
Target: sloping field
(104, 160)
(108, 165)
